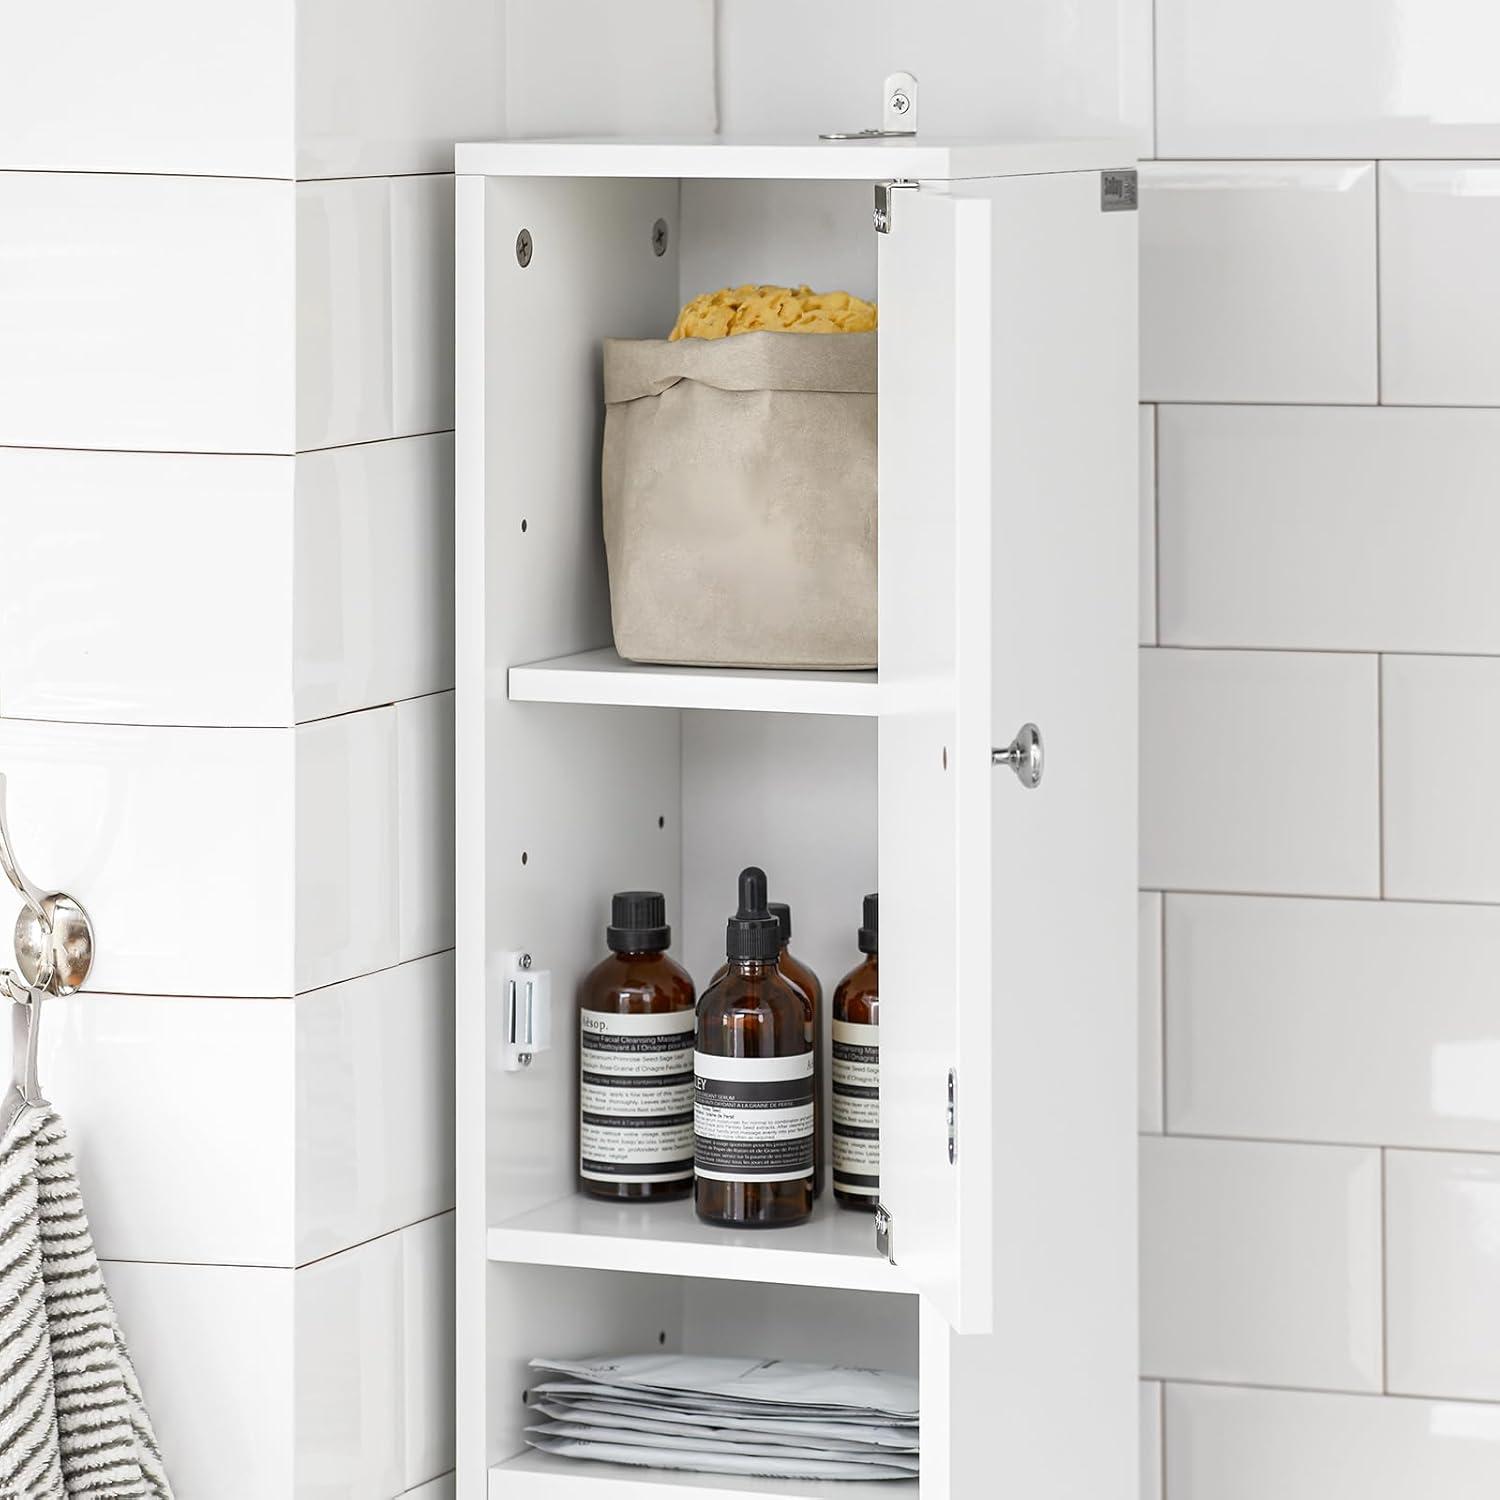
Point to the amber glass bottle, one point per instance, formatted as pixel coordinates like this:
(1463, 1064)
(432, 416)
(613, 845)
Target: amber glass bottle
(856, 1073)
(635, 1060)
(753, 1066)
(802, 978)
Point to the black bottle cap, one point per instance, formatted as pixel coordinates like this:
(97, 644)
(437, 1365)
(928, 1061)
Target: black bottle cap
(783, 914)
(638, 923)
(752, 932)
(869, 934)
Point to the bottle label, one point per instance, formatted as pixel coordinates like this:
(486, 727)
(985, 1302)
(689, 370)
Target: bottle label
(753, 1118)
(635, 1096)
(856, 1109)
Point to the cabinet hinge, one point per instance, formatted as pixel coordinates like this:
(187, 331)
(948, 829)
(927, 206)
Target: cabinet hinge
(884, 1233)
(952, 1116)
(884, 202)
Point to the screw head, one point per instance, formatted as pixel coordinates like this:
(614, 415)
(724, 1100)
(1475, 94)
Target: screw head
(900, 101)
(523, 249)
(525, 960)
(659, 237)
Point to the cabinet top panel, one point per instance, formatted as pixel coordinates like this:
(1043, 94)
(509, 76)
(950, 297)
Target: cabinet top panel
(781, 158)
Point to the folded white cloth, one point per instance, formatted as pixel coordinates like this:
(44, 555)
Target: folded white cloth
(72, 1419)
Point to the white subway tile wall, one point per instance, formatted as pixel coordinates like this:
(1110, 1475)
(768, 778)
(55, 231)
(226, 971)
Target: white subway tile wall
(1440, 282)
(1442, 820)
(1219, 812)
(1260, 1263)
(1240, 1444)
(1321, 719)
(1258, 281)
(1443, 1240)
(226, 663)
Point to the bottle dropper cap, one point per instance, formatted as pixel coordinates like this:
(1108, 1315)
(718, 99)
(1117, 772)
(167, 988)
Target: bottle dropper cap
(638, 923)
(783, 914)
(752, 932)
(869, 934)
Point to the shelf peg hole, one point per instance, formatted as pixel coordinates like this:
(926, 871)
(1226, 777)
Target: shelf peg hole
(523, 524)
(945, 757)
(523, 856)
(661, 822)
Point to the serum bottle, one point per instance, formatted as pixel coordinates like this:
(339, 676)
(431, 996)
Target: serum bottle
(802, 978)
(635, 1060)
(856, 1073)
(753, 1080)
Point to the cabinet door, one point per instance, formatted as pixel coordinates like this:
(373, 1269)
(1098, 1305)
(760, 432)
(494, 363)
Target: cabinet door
(1008, 575)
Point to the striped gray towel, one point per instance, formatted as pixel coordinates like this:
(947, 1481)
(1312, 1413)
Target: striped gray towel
(72, 1421)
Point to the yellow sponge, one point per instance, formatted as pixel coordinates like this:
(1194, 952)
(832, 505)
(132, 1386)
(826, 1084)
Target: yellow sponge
(775, 309)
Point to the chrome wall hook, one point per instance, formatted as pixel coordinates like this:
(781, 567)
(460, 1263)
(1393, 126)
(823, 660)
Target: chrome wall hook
(54, 937)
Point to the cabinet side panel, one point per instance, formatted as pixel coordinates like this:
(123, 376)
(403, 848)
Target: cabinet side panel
(1062, 1112)
(557, 805)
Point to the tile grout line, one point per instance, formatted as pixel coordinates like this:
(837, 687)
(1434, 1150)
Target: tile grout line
(1197, 1381)
(1302, 1142)
(1450, 901)
(1161, 1434)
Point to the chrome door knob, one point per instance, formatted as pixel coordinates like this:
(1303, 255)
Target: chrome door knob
(1024, 756)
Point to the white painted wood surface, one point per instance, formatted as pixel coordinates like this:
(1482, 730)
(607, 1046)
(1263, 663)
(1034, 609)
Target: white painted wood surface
(1008, 518)
(540, 1476)
(835, 1248)
(603, 676)
(788, 158)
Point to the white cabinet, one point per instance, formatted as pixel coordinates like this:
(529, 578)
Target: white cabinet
(1008, 536)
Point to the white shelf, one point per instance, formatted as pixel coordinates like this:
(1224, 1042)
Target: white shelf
(603, 677)
(835, 1248)
(544, 1476)
(785, 157)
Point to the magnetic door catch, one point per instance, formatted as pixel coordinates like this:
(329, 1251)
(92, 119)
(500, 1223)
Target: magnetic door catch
(884, 202)
(528, 1011)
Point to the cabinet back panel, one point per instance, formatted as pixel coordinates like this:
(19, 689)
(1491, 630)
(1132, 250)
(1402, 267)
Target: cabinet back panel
(786, 233)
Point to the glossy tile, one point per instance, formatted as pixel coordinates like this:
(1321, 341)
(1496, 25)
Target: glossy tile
(374, 574)
(1258, 282)
(214, 1347)
(115, 327)
(1441, 819)
(647, 70)
(1079, 69)
(437, 1489)
(388, 89)
(219, 1077)
(425, 779)
(346, 910)
(1296, 527)
(1148, 525)
(344, 312)
(1440, 280)
(1260, 1263)
(350, 1376)
(1342, 78)
(160, 86)
(1149, 1113)
(428, 1347)
(157, 629)
(1151, 1399)
(178, 841)
(1216, 811)
(1353, 1021)
(1443, 1299)
(1295, 1445)
(422, 302)
(365, 1168)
